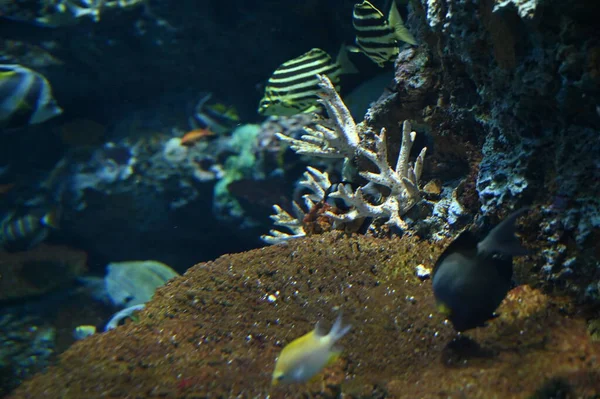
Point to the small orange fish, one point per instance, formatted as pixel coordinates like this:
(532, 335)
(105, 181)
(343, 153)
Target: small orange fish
(193, 136)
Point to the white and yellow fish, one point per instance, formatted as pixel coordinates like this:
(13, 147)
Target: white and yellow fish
(305, 357)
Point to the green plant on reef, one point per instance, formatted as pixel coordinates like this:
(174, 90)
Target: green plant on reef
(236, 167)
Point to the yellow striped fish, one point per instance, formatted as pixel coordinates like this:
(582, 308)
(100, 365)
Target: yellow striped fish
(293, 87)
(377, 37)
(25, 97)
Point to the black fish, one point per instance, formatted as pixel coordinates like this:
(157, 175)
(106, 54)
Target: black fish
(471, 277)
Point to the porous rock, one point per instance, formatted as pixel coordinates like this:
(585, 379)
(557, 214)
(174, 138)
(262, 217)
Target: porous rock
(216, 332)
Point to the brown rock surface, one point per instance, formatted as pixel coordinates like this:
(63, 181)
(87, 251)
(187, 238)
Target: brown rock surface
(215, 333)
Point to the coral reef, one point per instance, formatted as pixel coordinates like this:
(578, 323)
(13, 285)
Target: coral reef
(216, 331)
(341, 137)
(124, 183)
(39, 270)
(524, 79)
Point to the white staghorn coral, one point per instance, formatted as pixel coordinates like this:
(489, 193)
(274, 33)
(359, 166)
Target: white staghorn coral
(284, 219)
(339, 137)
(402, 181)
(333, 138)
(317, 183)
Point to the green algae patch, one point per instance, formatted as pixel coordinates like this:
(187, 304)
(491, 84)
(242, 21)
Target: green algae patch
(216, 331)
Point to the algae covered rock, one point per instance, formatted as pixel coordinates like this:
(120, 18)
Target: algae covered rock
(216, 331)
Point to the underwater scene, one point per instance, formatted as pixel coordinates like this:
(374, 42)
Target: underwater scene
(300, 199)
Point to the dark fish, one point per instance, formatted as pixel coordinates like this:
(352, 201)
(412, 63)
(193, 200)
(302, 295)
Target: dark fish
(294, 85)
(377, 37)
(25, 97)
(471, 277)
(216, 117)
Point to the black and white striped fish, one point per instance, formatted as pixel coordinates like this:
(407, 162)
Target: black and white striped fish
(293, 87)
(377, 37)
(25, 97)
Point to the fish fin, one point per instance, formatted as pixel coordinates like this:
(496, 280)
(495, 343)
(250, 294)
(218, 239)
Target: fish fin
(320, 330)
(38, 238)
(95, 287)
(232, 113)
(443, 309)
(312, 108)
(397, 24)
(338, 330)
(344, 62)
(52, 218)
(194, 124)
(335, 354)
(502, 240)
(466, 241)
(7, 75)
(353, 49)
(203, 100)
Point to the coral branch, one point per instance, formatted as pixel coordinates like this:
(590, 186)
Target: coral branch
(341, 141)
(338, 137)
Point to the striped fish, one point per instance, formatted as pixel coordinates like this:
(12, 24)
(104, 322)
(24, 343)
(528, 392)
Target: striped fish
(293, 87)
(30, 229)
(377, 37)
(25, 97)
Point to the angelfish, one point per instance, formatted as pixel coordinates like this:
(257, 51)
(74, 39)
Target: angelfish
(471, 278)
(25, 97)
(305, 357)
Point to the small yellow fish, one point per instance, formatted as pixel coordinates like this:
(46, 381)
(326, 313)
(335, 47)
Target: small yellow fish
(305, 357)
(83, 331)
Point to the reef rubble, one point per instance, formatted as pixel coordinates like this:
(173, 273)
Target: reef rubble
(215, 333)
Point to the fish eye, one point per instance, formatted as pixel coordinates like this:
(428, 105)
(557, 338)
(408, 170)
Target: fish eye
(280, 377)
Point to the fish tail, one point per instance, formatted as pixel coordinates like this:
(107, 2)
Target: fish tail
(338, 330)
(51, 219)
(397, 24)
(347, 67)
(38, 238)
(501, 239)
